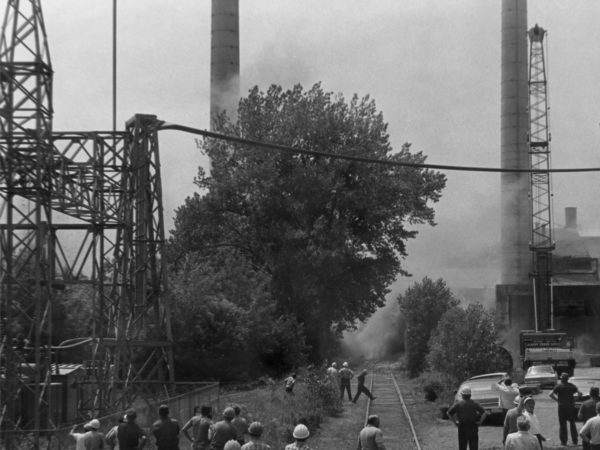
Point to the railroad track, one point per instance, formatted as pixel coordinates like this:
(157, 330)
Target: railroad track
(390, 405)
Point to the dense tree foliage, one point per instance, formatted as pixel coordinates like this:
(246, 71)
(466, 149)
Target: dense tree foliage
(465, 343)
(422, 306)
(328, 234)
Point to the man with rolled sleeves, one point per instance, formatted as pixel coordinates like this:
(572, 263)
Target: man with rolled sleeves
(467, 415)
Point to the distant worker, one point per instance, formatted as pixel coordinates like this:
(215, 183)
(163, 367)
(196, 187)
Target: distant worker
(129, 433)
(200, 423)
(534, 424)
(345, 376)
(79, 436)
(508, 393)
(564, 394)
(590, 432)
(255, 431)
(360, 387)
(371, 436)
(289, 383)
(240, 424)
(223, 430)
(166, 430)
(93, 439)
(111, 436)
(332, 372)
(300, 435)
(522, 439)
(467, 415)
(511, 417)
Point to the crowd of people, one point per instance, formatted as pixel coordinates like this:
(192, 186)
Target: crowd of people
(231, 432)
(522, 429)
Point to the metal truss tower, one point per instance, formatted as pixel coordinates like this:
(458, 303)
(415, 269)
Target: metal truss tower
(542, 243)
(76, 208)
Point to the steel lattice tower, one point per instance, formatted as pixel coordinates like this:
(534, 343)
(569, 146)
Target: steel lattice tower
(75, 208)
(542, 243)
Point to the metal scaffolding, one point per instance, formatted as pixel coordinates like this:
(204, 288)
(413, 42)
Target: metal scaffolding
(542, 243)
(75, 208)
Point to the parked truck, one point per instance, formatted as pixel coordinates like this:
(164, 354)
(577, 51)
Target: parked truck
(550, 347)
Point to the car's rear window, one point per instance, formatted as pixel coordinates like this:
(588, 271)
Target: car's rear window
(541, 369)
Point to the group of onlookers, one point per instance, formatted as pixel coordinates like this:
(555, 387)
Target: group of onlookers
(522, 429)
(232, 432)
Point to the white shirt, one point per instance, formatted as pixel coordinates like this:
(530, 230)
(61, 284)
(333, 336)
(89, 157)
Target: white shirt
(592, 429)
(521, 440)
(508, 394)
(534, 423)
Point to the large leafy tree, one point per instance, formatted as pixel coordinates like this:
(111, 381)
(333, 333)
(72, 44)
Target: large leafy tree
(329, 233)
(422, 305)
(465, 343)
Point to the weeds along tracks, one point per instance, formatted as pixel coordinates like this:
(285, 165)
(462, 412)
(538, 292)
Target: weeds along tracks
(390, 406)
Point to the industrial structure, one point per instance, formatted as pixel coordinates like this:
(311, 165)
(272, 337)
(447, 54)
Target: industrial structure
(224, 59)
(77, 209)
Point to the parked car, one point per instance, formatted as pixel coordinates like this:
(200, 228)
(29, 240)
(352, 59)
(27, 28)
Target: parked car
(584, 384)
(485, 391)
(544, 375)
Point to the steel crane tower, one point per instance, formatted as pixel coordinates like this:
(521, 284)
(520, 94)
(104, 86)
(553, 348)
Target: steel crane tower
(76, 208)
(542, 243)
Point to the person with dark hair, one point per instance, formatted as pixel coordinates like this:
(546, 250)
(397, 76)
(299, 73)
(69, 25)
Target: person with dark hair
(360, 387)
(587, 410)
(345, 375)
(522, 439)
(371, 436)
(201, 424)
(467, 415)
(129, 433)
(289, 383)
(240, 424)
(223, 431)
(111, 436)
(590, 432)
(564, 394)
(166, 430)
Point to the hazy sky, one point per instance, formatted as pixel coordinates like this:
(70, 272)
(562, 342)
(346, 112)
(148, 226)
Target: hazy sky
(433, 67)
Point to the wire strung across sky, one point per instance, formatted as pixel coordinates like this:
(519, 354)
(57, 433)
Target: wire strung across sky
(285, 148)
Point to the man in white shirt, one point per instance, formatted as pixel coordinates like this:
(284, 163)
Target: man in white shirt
(522, 439)
(590, 432)
(508, 392)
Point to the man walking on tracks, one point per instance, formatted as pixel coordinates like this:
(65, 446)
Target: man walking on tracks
(371, 436)
(361, 386)
(564, 393)
(345, 376)
(467, 415)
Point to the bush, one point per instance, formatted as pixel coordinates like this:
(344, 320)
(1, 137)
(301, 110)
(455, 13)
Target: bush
(436, 385)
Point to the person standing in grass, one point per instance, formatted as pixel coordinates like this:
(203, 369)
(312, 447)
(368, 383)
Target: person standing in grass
(345, 376)
(300, 435)
(255, 431)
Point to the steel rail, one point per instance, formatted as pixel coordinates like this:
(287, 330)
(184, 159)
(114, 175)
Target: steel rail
(406, 413)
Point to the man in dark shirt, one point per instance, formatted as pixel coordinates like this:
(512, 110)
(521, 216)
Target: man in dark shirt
(467, 415)
(360, 387)
(564, 393)
(587, 410)
(129, 433)
(223, 430)
(166, 430)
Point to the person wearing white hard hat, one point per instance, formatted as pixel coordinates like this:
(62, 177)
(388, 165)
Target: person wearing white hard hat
(223, 431)
(93, 439)
(467, 415)
(345, 376)
(300, 435)
(255, 431)
(79, 445)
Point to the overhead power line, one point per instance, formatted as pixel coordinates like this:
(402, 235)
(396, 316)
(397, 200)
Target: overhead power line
(386, 162)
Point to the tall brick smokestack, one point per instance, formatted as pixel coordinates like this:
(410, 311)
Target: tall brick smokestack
(516, 260)
(225, 58)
